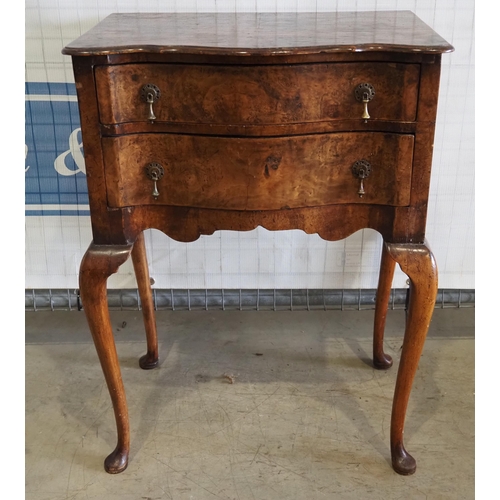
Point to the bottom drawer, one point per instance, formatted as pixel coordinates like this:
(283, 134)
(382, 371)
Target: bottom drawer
(258, 173)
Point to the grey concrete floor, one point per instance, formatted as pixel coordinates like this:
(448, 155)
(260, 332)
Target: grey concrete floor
(307, 416)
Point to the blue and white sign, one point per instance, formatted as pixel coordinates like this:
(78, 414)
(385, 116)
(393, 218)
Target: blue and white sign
(55, 167)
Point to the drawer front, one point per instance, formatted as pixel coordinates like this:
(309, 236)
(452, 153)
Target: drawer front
(257, 173)
(238, 95)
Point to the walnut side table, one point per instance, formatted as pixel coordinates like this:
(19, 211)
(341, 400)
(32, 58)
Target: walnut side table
(193, 123)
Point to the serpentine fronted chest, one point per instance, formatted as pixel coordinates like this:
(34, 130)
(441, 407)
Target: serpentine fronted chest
(193, 123)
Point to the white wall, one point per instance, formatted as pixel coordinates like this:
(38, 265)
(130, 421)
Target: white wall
(262, 259)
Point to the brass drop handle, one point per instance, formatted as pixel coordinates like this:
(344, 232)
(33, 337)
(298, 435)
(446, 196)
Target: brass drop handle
(150, 93)
(361, 169)
(364, 93)
(155, 172)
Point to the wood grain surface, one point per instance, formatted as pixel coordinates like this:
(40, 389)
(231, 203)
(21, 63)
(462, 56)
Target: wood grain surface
(258, 173)
(256, 95)
(249, 34)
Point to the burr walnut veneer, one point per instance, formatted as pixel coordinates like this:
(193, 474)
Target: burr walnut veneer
(193, 123)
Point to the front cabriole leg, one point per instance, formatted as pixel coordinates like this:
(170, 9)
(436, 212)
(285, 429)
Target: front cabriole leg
(418, 263)
(99, 262)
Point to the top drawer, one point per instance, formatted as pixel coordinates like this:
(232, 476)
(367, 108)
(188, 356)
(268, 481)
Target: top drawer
(266, 95)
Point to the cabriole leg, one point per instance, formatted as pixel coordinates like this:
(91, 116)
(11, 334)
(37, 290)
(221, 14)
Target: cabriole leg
(381, 360)
(98, 263)
(139, 259)
(418, 263)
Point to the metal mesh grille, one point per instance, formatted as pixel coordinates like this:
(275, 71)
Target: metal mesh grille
(242, 299)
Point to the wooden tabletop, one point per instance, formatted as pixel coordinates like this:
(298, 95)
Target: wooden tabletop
(262, 34)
